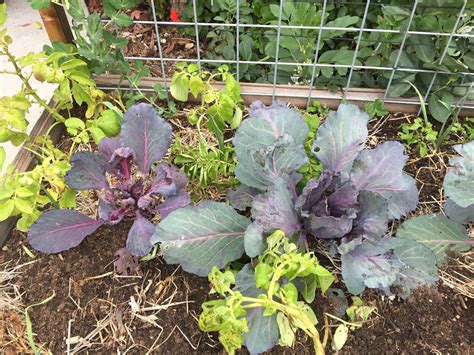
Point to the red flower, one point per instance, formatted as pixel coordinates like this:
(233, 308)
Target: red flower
(174, 15)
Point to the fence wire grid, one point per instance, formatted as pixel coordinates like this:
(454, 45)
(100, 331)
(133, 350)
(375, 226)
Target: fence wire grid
(314, 66)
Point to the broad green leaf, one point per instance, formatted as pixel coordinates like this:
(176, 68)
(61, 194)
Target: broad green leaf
(72, 64)
(179, 87)
(196, 86)
(440, 107)
(74, 123)
(395, 11)
(199, 237)
(6, 209)
(24, 206)
(436, 232)
(122, 19)
(110, 122)
(68, 198)
(424, 46)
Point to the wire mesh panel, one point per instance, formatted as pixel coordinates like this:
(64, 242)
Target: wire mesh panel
(333, 45)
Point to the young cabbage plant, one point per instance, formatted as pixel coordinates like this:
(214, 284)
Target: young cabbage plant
(128, 182)
(349, 205)
(443, 233)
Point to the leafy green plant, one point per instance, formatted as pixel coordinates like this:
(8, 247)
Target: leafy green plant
(115, 11)
(349, 206)
(298, 45)
(312, 117)
(26, 194)
(375, 109)
(265, 307)
(206, 163)
(219, 109)
(420, 134)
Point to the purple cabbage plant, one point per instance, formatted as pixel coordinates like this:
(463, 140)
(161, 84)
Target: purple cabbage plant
(131, 182)
(349, 206)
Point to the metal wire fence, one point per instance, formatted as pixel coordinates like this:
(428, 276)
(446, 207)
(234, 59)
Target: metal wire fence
(355, 35)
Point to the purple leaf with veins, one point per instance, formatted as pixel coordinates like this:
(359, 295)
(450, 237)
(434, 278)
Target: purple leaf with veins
(202, 236)
(276, 210)
(59, 230)
(380, 171)
(146, 133)
(87, 172)
(165, 170)
(138, 241)
(340, 139)
(181, 199)
(121, 161)
(329, 227)
(372, 221)
(367, 265)
(242, 197)
(107, 146)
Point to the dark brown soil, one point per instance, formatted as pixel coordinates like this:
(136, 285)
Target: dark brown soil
(428, 322)
(85, 301)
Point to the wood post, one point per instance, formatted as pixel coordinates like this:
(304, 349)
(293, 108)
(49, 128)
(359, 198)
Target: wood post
(56, 24)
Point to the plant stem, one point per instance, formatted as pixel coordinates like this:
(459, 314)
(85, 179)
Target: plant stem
(309, 328)
(31, 91)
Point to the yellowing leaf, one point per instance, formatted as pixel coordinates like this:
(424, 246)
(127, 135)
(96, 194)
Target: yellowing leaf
(340, 337)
